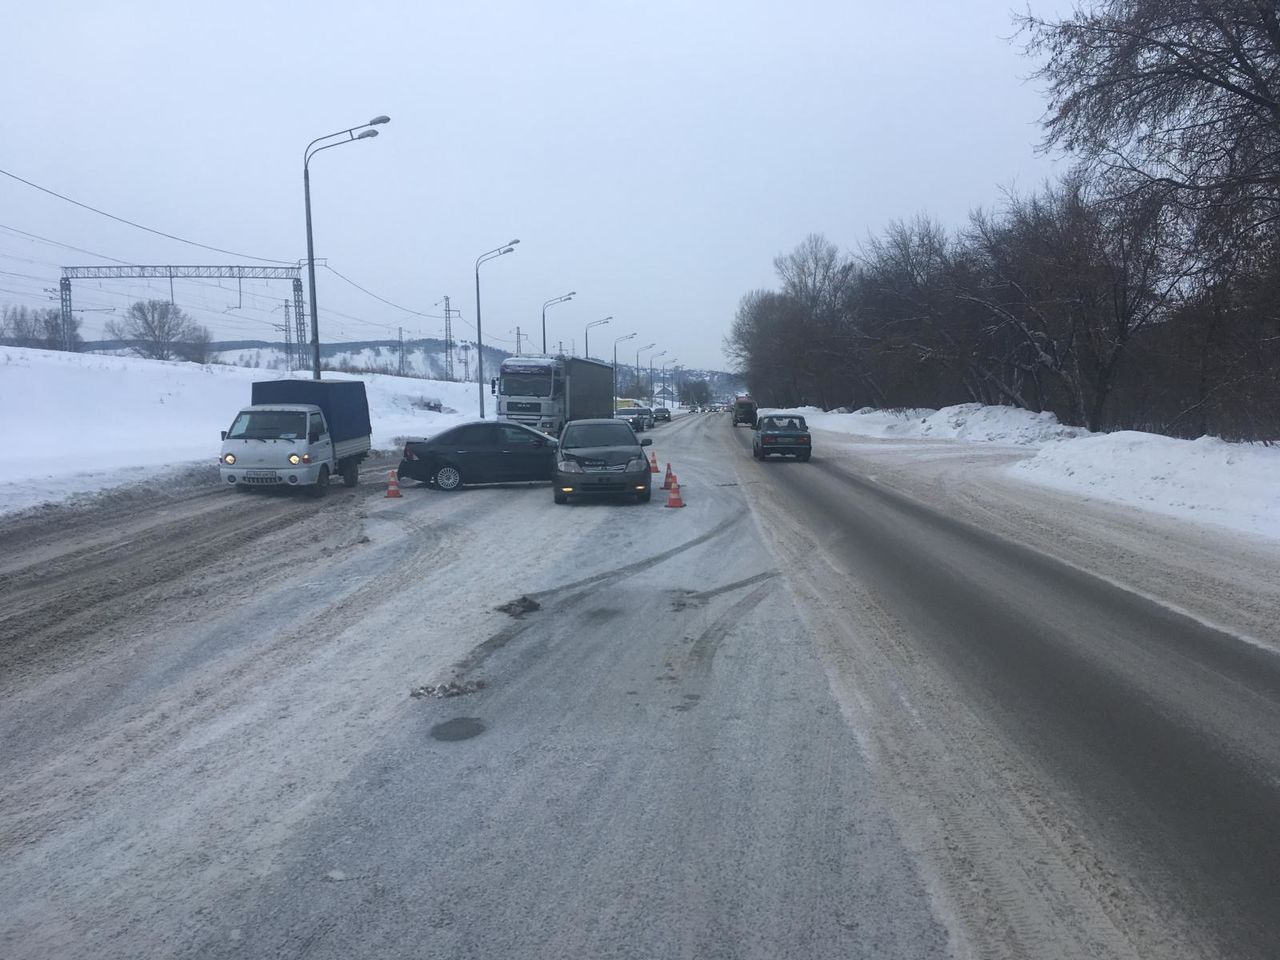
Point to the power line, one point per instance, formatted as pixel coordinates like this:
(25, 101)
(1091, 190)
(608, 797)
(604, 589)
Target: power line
(132, 223)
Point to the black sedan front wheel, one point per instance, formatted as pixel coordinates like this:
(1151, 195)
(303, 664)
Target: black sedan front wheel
(448, 477)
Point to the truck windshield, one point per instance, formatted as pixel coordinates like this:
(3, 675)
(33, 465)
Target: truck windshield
(526, 384)
(268, 425)
(597, 435)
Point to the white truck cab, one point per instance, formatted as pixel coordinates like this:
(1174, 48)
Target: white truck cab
(295, 444)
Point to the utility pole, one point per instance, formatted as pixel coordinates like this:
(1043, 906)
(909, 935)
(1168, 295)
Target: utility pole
(448, 339)
(466, 362)
(400, 366)
(517, 341)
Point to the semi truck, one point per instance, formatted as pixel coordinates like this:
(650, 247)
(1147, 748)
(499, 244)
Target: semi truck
(297, 433)
(547, 392)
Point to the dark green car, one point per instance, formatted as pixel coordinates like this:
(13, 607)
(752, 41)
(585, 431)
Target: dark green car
(783, 435)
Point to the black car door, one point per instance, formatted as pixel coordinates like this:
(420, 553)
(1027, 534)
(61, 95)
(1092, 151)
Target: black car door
(474, 450)
(524, 454)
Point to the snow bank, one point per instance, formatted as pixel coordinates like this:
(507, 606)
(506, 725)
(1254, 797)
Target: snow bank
(1206, 480)
(1231, 484)
(77, 423)
(972, 422)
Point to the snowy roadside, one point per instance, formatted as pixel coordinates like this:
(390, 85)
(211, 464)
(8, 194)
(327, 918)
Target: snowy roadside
(1205, 480)
(78, 424)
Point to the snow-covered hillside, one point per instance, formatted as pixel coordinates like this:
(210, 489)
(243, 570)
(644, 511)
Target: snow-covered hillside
(76, 423)
(419, 361)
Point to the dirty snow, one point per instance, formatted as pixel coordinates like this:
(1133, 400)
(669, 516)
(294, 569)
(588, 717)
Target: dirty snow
(1205, 480)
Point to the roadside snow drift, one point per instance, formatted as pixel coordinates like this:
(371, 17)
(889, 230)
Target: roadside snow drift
(76, 423)
(1207, 480)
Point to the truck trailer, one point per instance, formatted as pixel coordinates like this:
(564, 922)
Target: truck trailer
(547, 392)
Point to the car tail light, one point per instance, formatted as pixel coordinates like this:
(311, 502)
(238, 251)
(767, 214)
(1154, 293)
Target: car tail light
(804, 439)
(770, 439)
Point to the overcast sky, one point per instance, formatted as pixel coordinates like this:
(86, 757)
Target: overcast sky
(653, 156)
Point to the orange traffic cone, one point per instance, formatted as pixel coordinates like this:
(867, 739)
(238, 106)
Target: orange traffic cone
(393, 485)
(653, 462)
(673, 498)
(666, 481)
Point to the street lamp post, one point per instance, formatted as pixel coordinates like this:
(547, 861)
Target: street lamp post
(554, 300)
(638, 352)
(484, 258)
(629, 336)
(669, 360)
(367, 131)
(586, 335)
(652, 397)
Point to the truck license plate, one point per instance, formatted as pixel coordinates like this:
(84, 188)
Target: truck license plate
(259, 473)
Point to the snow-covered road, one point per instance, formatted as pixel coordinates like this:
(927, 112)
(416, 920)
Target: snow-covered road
(891, 703)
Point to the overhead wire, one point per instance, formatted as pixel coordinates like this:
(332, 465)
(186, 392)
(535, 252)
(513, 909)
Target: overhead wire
(139, 226)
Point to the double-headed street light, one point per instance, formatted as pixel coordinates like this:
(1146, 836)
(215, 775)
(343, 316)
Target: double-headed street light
(493, 254)
(586, 335)
(652, 396)
(665, 363)
(554, 300)
(367, 131)
(638, 352)
(629, 336)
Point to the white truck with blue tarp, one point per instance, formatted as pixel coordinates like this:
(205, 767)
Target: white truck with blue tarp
(547, 392)
(298, 433)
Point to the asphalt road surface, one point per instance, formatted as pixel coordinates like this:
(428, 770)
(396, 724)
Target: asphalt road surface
(826, 710)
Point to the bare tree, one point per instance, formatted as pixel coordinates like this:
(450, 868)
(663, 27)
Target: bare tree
(157, 330)
(1180, 95)
(42, 329)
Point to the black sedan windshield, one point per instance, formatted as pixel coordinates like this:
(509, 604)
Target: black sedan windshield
(597, 435)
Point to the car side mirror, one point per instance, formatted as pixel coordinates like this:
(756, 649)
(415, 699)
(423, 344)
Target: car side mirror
(646, 442)
(224, 434)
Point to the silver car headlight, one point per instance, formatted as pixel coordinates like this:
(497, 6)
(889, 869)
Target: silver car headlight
(637, 463)
(568, 466)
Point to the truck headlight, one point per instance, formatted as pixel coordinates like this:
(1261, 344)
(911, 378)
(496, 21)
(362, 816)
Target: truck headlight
(568, 466)
(295, 459)
(229, 459)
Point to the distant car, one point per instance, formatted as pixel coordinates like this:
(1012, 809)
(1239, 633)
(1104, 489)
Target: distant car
(632, 415)
(662, 414)
(647, 414)
(744, 411)
(601, 457)
(781, 434)
(485, 451)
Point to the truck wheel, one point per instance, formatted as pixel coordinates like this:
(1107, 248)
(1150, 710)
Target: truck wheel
(322, 484)
(351, 473)
(448, 477)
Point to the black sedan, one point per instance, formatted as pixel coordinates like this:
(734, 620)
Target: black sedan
(601, 457)
(633, 416)
(485, 451)
(781, 434)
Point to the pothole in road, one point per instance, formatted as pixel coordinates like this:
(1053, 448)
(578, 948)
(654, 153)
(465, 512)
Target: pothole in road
(459, 728)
